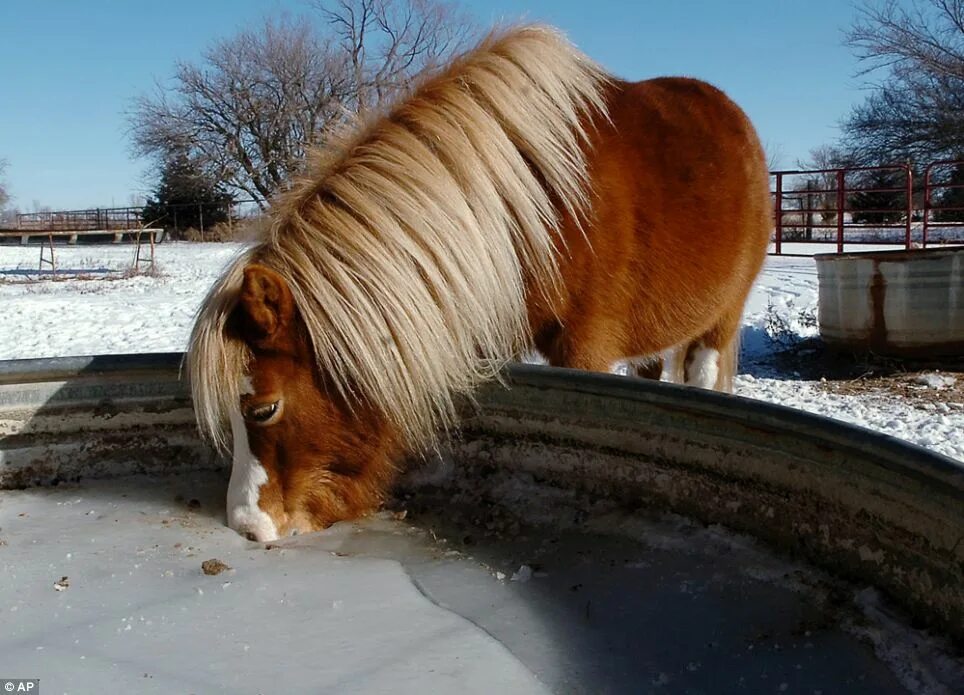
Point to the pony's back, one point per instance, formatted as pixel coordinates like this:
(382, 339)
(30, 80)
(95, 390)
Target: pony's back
(679, 229)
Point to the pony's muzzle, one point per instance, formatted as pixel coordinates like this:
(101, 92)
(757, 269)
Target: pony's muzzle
(253, 523)
(259, 533)
(260, 528)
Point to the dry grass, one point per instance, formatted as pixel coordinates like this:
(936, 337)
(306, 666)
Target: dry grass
(149, 271)
(905, 385)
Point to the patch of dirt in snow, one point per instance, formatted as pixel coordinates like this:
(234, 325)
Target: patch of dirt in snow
(907, 387)
(916, 383)
(919, 402)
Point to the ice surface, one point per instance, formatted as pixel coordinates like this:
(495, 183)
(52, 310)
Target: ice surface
(613, 604)
(140, 616)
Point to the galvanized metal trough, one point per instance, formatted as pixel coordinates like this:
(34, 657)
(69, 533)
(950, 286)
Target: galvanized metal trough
(902, 303)
(861, 506)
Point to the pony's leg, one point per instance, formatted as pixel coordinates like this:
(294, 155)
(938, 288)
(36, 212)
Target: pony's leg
(673, 363)
(651, 368)
(711, 359)
(702, 364)
(588, 360)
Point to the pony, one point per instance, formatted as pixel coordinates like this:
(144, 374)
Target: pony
(518, 197)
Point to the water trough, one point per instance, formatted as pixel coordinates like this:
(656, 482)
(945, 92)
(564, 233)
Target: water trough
(609, 534)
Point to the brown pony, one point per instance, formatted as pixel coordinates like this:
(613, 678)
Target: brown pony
(518, 198)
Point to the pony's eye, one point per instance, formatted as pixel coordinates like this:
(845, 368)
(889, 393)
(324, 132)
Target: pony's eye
(261, 413)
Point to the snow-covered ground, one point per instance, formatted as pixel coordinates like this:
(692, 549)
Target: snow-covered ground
(783, 308)
(100, 312)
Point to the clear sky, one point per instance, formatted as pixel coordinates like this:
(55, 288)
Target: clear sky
(70, 68)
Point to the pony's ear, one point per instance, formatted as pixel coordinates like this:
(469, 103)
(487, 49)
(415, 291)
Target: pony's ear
(265, 309)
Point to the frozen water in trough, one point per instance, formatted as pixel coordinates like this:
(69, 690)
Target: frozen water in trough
(422, 602)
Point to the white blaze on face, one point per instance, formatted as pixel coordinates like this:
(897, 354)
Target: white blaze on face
(704, 369)
(247, 477)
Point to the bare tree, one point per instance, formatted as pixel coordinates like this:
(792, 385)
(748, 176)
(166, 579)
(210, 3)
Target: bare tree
(915, 53)
(249, 111)
(387, 42)
(825, 157)
(819, 188)
(774, 155)
(4, 196)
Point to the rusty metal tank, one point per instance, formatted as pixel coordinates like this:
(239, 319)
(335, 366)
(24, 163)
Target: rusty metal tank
(901, 303)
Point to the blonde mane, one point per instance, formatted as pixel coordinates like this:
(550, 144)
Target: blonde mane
(408, 245)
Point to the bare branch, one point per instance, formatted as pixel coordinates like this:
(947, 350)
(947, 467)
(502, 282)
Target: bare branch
(916, 108)
(4, 196)
(249, 109)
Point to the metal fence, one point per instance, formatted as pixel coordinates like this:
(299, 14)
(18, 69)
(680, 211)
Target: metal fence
(883, 206)
(943, 208)
(176, 219)
(96, 219)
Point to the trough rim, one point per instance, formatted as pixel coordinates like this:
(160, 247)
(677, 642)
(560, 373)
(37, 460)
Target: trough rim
(665, 394)
(929, 254)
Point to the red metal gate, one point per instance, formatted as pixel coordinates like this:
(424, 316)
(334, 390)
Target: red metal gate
(853, 205)
(943, 214)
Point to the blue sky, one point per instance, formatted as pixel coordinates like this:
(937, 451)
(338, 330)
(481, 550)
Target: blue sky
(70, 68)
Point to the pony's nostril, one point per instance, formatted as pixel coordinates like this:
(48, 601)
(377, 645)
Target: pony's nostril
(293, 532)
(251, 537)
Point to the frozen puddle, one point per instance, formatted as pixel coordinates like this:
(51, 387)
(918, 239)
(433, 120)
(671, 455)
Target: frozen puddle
(454, 598)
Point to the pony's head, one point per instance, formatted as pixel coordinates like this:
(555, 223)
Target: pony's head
(393, 281)
(303, 455)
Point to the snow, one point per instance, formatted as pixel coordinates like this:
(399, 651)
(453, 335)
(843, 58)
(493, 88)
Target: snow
(933, 426)
(105, 313)
(102, 313)
(935, 381)
(523, 574)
